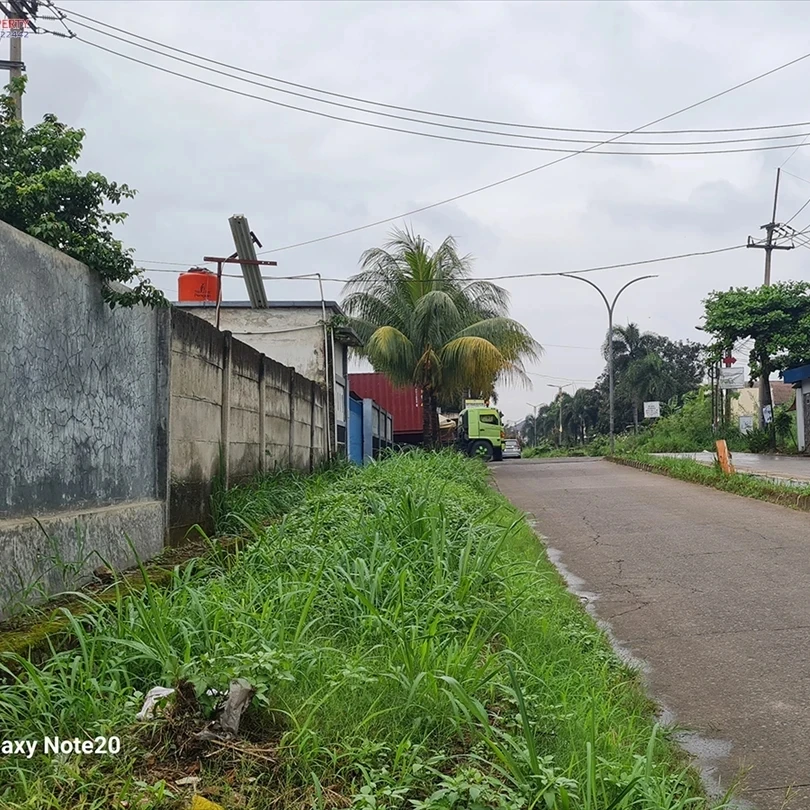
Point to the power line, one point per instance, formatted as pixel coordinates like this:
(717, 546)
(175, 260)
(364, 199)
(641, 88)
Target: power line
(412, 109)
(795, 150)
(499, 133)
(508, 276)
(453, 139)
(796, 176)
(527, 172)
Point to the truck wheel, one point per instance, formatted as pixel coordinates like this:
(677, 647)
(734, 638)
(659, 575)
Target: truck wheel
(482, 450)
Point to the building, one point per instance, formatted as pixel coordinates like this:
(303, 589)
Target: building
(299, 334)
(745, 406)
(799, 379)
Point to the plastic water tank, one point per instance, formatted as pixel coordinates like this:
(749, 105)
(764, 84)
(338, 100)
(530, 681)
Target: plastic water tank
(197, 284)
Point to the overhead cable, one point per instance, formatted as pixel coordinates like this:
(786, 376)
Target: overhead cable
(360, 100)
(499, 133)
(507, 276)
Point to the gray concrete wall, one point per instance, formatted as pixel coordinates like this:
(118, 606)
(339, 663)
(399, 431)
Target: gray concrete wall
(83, 420)
(117, 423)
(225, 393)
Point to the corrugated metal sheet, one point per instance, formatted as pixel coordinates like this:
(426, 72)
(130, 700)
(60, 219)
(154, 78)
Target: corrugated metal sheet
(404, 404)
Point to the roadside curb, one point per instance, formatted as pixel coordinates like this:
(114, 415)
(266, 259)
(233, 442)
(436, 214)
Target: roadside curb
(771, 494)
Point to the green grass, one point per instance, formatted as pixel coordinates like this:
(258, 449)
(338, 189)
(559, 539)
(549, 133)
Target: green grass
(411, 647)
(749, 486)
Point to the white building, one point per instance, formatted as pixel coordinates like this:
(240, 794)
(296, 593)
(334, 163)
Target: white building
(298, 334)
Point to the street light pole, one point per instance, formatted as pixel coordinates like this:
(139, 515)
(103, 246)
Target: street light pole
(610, 307)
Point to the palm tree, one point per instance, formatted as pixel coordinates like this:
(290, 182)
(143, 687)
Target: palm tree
(644, 378)
(585, 411)
(424, 322)
(629, 344)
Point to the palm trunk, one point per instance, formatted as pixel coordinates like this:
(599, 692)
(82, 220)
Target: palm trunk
(427, 422)
(434, 419)
(635, 417)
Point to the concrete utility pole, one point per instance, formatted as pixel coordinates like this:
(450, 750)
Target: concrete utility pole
(765, 399)
(16, 25)
(610, 307)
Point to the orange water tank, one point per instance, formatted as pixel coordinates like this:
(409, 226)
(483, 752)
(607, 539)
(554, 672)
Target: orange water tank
(197, 284)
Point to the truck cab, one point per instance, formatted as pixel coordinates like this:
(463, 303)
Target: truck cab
(481, 433)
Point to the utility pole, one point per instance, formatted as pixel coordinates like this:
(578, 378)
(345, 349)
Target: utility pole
(18, 21)
(765, 399)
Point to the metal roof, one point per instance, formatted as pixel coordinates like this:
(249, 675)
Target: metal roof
(797, 374)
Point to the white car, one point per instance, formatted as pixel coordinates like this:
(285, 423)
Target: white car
(511, 448)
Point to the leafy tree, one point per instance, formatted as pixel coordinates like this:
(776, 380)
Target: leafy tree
(644, 378)
(684, 361)
(777, 318)
(42, 194)
(424, 322)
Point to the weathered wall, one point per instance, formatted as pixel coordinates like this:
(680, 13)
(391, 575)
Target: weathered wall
(83, 420)
(225, 393)
(117, 423)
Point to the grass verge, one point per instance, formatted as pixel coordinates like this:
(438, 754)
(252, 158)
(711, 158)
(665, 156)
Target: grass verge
(749, 486)
(410, 646)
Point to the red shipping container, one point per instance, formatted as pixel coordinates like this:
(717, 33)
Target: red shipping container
(404, 404)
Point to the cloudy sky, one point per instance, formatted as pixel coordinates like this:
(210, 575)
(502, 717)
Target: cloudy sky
(198, 154)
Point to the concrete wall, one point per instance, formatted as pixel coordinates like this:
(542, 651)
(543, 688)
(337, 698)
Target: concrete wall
(225, 393)
(292, 333)
(117, 423)
(83, 419)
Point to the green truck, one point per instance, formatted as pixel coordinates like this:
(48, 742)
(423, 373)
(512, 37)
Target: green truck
(480, 433)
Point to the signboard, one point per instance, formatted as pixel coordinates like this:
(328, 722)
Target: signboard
(746, 424)
(475, 403)
(652, 410)
(767, 414)
(732, 378)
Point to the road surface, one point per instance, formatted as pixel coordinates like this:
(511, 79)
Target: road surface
(710, 590)
(795, 468)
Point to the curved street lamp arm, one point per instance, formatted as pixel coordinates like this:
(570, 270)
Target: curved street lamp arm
(587, 281)
(616, 298)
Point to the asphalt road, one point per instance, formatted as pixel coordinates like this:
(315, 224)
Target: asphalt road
(709, 590)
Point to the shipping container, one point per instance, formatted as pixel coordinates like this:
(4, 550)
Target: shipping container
(404, 404)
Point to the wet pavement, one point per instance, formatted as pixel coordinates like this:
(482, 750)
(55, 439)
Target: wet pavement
(710, 590)
(794, 468)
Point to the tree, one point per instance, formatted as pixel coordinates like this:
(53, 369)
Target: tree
(629, 344)
(683, 360)
(424, 322)
(44, 196)
(644, 378)
(776, 317)
(585, 411)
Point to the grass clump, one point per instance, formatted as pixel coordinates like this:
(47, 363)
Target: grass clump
(410, 646)
(749, 486)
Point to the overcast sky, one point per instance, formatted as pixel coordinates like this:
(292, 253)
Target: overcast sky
(197, 154)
